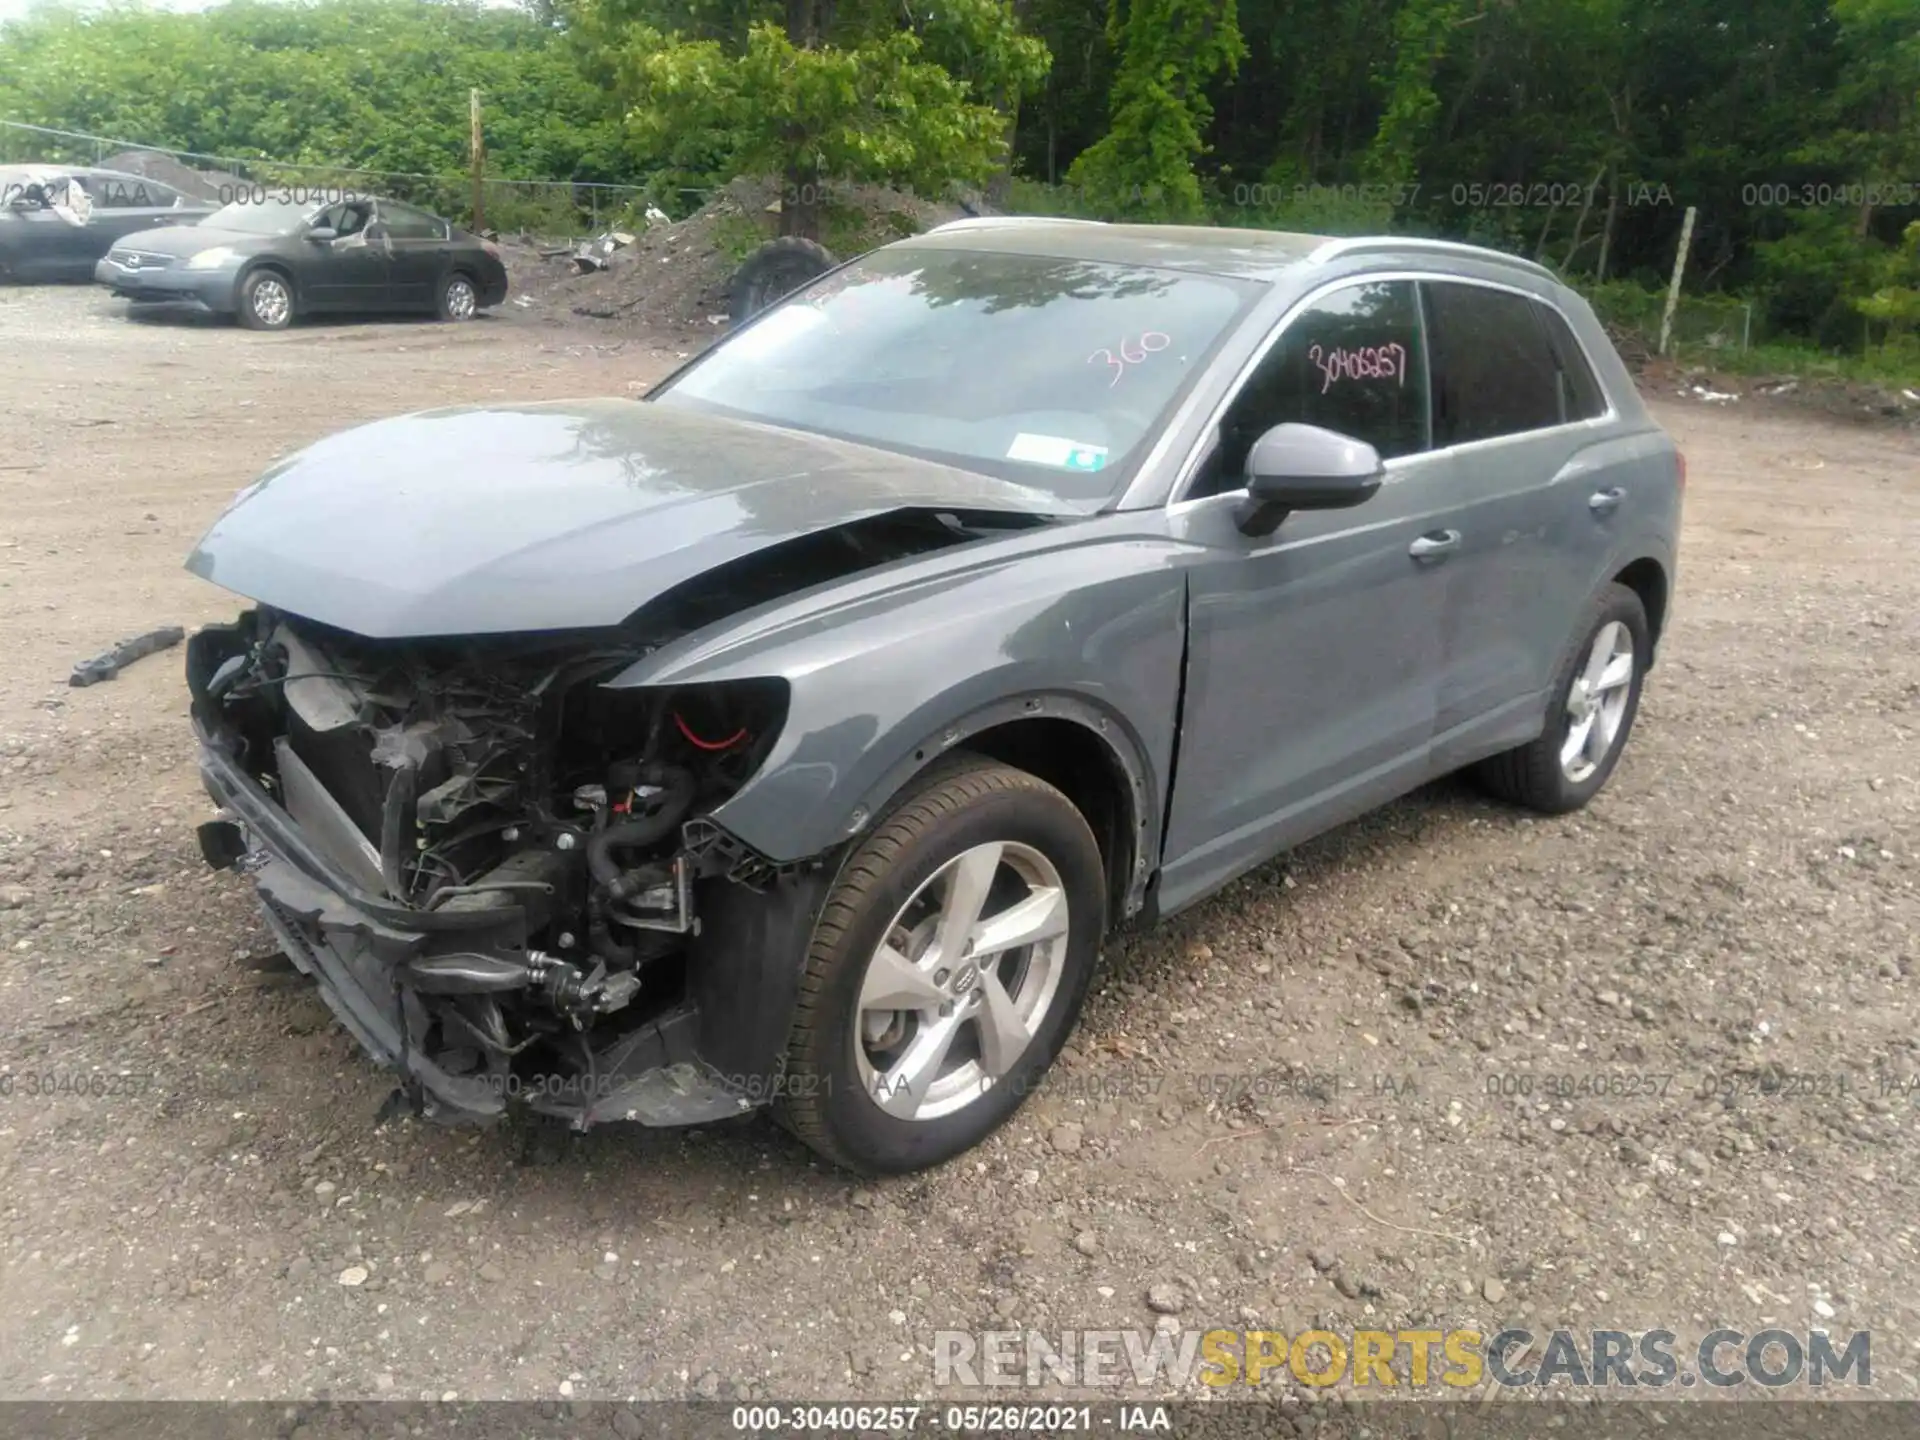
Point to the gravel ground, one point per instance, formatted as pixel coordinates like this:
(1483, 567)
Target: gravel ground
(1298, 1104)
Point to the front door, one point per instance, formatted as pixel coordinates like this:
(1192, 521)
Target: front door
(352, 271)
(1314, 652)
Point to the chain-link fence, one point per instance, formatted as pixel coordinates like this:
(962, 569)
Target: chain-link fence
(538, 207)
(1709, 323)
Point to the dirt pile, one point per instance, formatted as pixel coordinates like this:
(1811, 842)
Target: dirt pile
(209, 185)
(676, 276)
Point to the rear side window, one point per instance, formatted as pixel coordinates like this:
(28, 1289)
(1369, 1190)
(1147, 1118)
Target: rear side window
(403, 222)
(1352, 361)
(1581, 397)
(1494, 373)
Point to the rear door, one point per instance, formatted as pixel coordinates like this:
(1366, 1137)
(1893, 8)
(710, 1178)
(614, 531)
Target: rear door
(124, 205)
(1517, 414)
(1314, 652)
(420, 254)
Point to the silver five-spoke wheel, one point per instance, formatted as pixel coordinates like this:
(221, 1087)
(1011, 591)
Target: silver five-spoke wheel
(1597, 702)
(968, 971)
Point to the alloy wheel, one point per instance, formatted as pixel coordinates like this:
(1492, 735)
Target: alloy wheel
(1597, 702)
(460, 299)
(967, 974)
(272, 302)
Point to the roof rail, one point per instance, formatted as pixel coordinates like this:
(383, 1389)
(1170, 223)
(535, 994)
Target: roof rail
(988, 222)
(1364, 244)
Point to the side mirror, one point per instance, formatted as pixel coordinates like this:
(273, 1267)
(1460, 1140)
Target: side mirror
(321, 234)
(1303, 467)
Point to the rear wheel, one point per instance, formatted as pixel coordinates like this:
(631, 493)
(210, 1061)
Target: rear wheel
(948, 966)
(266, 301)
(1595, 698)
(458, 300)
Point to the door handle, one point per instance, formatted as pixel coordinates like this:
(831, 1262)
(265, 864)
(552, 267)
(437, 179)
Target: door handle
(1605, 502)
(1434, 542)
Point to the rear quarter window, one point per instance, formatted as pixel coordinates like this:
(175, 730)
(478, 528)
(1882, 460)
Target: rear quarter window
(1581, 397)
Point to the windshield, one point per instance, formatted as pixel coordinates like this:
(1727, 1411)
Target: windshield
(264, 217)
(1051, 372)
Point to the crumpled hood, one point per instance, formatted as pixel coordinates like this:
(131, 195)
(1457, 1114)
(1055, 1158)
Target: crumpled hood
(557, 516)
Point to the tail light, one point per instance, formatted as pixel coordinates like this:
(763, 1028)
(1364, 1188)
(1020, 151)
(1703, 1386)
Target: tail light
(491, 248)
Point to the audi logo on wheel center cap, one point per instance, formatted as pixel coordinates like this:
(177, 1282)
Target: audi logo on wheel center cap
(964, 979)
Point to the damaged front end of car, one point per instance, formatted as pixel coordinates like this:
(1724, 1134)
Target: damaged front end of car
(500, 869)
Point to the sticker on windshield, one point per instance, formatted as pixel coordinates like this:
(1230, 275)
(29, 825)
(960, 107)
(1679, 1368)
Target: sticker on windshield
(1052, 450)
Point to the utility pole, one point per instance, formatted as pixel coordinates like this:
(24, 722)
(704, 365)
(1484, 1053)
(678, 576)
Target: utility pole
(477, 147)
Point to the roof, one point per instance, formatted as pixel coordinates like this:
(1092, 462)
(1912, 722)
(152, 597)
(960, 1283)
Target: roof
(1216, 250)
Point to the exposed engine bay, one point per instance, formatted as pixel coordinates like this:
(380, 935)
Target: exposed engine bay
(542, 831)
(502, 869)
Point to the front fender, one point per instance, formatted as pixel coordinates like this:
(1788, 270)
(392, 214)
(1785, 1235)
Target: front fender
(881, 684)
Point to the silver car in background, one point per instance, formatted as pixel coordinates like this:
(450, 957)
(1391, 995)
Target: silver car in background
(794, 736)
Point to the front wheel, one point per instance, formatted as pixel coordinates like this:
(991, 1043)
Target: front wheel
(1595, 698)
(266, 301)
(947, 968)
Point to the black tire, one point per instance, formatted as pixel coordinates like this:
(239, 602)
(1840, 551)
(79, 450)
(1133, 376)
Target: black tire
(266, 300)
(775, 271)
(1532, 774)
(965, 802)
(458, 297)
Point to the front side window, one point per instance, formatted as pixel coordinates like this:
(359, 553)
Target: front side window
(1352, 362)
(348, 217)
(1494, 373)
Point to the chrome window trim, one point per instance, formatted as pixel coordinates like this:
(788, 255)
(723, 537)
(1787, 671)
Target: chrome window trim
(1178, 496)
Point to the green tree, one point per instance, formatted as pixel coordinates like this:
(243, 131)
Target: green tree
(367, 85)
(832, 93)
(1422, 31)
(1170, 51)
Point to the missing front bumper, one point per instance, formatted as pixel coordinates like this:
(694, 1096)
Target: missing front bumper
(360, 951)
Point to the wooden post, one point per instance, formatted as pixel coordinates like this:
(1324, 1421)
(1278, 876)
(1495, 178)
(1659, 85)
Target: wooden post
(477, 148)
(1673, 286)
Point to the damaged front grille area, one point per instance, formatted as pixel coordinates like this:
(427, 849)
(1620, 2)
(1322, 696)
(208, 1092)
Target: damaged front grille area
(481, 850)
